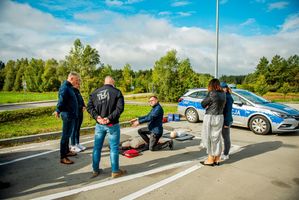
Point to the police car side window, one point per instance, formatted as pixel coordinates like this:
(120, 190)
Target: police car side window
(193, 95)
(239, 99)
(198, 94)
(202, 94)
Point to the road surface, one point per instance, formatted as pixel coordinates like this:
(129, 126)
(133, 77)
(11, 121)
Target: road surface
(260, 167)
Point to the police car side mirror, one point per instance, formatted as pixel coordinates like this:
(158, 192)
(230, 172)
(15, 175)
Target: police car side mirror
(239, 103)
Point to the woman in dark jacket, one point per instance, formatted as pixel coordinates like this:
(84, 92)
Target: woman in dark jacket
(213, 121)
(228, 120)
(75, 137)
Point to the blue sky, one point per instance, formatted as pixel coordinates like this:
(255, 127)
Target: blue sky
(139, 32)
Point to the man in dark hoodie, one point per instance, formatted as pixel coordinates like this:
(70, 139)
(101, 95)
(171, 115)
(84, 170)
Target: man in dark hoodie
(67, 108)
(106, 105)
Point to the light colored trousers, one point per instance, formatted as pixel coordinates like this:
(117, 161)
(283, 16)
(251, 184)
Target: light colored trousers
(211, 134)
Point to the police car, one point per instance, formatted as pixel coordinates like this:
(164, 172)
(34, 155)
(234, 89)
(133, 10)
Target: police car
(249, 110)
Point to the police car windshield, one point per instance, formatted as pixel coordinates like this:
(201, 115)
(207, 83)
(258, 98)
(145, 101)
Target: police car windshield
(252, 97)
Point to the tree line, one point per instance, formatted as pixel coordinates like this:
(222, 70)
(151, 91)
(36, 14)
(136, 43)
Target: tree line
(169, 78)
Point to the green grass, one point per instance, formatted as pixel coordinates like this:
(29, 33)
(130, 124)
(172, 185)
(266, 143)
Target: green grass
(16, 97)
(45, 123)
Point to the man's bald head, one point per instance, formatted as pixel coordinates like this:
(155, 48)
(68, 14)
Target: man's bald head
(109, 80)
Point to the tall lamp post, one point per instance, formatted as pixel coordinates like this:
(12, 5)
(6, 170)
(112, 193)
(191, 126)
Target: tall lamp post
(217, 37)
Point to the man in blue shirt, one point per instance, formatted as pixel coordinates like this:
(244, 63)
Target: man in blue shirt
(67, 108)
(154, 128)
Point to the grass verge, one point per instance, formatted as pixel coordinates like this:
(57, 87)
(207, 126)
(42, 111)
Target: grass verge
(48, 123)
(17, 97)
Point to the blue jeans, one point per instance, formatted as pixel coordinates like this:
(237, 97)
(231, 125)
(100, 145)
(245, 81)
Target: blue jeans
(114, 139)
(68, 127)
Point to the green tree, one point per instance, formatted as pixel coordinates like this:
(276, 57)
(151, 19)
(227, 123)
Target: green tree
(165, 77)
(21, 66)
(33, 75)
(261, 86)
(10, 74)
(285, 89)
(127, 78)
(143, 81)
(50, 80)
(2, 74)
(187, 78)
(293, 72)
(84, 61)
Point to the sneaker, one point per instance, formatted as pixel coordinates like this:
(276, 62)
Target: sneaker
(81, 147)
(75, 149)
(224, 157)
(120, 173)
(71, 153)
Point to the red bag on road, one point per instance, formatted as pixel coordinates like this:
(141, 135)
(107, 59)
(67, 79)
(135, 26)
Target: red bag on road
(131, 153)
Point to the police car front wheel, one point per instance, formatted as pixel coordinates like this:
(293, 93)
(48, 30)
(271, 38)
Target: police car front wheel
(260, 125)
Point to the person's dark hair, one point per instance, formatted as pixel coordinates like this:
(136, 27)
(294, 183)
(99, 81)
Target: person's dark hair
(214, 84)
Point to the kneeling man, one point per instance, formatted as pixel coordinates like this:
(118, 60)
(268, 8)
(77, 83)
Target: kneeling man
(153, 132)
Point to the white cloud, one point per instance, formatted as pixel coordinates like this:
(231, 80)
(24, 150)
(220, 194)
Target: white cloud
(180, 3)
(113, 3)
(139, 40)
(291, 23)
(164, 13)
(277, 5)
(119, 3)
(248, 22)
(185, 14)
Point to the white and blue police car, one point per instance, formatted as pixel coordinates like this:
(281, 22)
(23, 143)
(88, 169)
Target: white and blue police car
(249, 110)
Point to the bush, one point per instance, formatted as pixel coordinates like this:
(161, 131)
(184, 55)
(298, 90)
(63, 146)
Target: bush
(7, 116)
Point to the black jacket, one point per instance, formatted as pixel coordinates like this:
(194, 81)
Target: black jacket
(106, 101)
(214, 103)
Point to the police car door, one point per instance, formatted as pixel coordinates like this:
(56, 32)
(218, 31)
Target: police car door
(240, 111)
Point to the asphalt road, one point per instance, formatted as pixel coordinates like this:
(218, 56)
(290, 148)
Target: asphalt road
(260, 167)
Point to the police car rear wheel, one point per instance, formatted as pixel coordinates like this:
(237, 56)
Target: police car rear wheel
(259, 125)
(191, 115)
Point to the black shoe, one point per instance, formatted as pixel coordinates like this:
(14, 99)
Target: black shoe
(170, 144)
(145, 148)
(207, 164)
(4, 185)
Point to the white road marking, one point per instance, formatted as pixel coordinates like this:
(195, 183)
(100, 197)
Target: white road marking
(27, 157)
(161, 183)
(113, 181)
(235, 148)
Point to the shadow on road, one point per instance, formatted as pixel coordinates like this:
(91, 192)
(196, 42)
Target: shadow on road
(254, 150)
(39, 174)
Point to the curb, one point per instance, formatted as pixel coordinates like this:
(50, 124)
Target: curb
(25, 103)
(43, 136)
(51, 135)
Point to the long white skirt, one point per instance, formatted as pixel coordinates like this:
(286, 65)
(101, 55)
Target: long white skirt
(211, 134)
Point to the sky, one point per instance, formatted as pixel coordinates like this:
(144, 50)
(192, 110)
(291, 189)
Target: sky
(140, 32)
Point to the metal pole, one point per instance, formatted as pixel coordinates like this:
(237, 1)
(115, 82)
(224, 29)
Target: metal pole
(217, 38)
